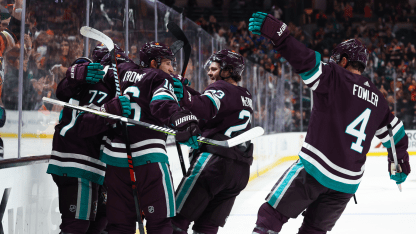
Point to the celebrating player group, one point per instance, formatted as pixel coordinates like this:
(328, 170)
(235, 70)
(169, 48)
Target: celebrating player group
(110, 175)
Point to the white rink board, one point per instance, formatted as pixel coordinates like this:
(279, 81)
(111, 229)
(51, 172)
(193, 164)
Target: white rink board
(32, 206)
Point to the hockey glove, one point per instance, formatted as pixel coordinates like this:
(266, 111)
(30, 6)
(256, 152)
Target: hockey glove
(187, 128)
(269, 27)
(94, 73)
(178, 83)
(401, 175)
(117, 106)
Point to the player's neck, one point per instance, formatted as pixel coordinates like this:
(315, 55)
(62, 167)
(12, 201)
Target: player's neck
(231, 81)
(352, 70)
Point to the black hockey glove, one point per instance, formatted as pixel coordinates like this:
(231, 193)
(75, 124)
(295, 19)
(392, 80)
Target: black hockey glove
(187, 128)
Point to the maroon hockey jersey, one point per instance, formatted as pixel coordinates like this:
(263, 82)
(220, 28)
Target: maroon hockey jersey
(348, 111)
(152, 101)
(223, 109)
(78, 136)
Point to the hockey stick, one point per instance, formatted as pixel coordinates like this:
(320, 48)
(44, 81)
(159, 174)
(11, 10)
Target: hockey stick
(99, 36)
(178, 33)
(246, 136)
(393, 149)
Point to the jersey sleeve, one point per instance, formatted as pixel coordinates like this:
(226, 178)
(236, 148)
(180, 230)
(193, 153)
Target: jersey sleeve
(89, 125)
(203, 106)
(307, 63)
(399, 136)
(163, 101)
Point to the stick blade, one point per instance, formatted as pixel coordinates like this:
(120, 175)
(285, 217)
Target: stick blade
(246, 136)
(98, 36)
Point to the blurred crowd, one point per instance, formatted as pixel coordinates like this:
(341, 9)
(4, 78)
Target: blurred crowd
(52, 41)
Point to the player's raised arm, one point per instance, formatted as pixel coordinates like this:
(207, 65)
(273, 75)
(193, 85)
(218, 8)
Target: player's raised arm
(82, 71)
(306, 62)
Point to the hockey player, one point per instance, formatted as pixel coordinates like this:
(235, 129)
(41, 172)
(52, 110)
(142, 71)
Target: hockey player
(217, 175)
(348, 112)
(153, 101)
(75, 164)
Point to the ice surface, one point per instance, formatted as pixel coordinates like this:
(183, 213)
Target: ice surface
(381, 207)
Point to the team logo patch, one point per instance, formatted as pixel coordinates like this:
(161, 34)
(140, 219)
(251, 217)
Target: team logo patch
(72, 208)
(151, 209)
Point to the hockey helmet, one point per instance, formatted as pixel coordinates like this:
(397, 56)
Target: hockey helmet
(155, 51)
(120, 56)
(228, 60)
(81, 60)
(99, 52)
(354, 49)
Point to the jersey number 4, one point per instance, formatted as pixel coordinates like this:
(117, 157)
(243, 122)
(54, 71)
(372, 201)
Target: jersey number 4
(360, 134)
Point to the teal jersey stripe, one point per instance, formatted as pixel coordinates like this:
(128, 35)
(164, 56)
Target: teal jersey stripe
(191, 180)
(169, 188)
(137, 161)
(397, 137)
(307, 75)
(285, 183)
(162, 97)
(213, 101)
(75, 172)
(85, 199)
(327, 182)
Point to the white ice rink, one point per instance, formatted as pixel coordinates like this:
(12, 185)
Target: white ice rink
(381, 208)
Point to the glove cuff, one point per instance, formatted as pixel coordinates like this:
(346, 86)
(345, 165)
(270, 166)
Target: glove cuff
(76, 74)
(181, 119)
(274, 29)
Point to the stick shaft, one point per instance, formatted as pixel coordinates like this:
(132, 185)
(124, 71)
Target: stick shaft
(393, 150)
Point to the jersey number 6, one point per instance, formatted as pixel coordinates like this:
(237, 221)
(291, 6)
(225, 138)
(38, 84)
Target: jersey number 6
(136, 110)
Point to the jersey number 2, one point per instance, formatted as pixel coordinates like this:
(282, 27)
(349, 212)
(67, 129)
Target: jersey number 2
(243, 113)
(360, 134)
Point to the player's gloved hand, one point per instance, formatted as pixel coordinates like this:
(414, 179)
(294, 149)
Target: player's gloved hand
(117, 106)
(94, 73)
(400, 175)
(178, 83)
(256, 21)
(187, 128)
(268, 26)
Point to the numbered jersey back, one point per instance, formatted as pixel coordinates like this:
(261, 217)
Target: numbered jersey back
(235, 111)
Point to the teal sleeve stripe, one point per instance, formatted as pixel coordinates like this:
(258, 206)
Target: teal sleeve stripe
(307, 75)
(326, 181)
(397, 137)
(162, 97)
(213, 101)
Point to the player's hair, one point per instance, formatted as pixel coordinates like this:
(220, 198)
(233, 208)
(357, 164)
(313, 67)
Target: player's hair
(354, 64)
(235, 77)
